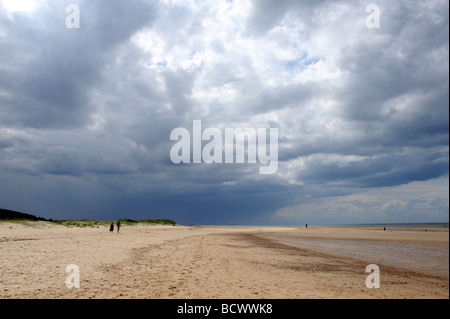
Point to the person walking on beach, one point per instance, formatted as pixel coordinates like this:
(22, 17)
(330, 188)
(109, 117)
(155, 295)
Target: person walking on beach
(111, 227)
(118, 226)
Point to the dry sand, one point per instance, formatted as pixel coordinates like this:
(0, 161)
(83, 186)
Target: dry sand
(209, 262)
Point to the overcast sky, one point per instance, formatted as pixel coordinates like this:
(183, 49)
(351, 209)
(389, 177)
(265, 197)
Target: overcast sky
(362, 113)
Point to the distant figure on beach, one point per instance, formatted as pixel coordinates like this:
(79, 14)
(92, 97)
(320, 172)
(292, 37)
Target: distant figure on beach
(306, 226)
(118, 226)
(111, 227)
(384, 228)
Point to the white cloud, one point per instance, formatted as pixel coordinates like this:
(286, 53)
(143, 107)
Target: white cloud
(416, 201)
(21, 5)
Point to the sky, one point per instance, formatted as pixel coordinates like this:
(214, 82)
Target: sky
(360, 100)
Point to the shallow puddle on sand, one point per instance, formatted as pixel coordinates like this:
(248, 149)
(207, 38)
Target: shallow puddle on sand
(432, 258)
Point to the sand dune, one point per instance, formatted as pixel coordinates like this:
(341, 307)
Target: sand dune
(200, 262)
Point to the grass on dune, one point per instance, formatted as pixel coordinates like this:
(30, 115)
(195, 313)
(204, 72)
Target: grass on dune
(123, 221)
(33, 221)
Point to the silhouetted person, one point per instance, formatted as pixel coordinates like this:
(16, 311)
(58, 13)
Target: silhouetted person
(384, 228)
(118, 226)
(306, 226)
(111, 227)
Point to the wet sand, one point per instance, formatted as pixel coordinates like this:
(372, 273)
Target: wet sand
(152, 262)
(422, 248)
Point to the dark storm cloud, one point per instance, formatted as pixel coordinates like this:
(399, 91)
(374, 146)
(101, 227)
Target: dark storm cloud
(266, 14)
(86, 114)
(387, 170)
(179, 87)
(52, 68)
(290, 96)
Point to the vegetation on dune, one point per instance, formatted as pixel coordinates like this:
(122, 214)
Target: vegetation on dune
(80, 222)
(17, 217)
(123, 221)
(6, 214)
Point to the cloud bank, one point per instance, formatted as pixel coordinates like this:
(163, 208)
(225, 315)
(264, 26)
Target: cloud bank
(362, 113)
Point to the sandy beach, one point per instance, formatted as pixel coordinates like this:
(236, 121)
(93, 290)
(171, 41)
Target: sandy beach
(154, 262)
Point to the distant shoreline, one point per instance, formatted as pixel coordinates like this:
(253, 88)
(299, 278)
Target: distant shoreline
(6, 214)
(322, 225)
(127, 221)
